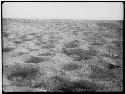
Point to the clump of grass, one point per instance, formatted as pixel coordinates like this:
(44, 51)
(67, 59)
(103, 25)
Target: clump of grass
(112, 52)
(5, 34)
(75, 86)
(107, 65)
(112, 66)
(117, 43)
(101, 74)
(97, 42)
(80, 54)
(19, 73)
(8, 49)
(34, 59)
(47, 54)
(18, 42)
(48, 46)
(76, 58)
(111, 55)
(71, 67)
(72, 44)
(107, 26)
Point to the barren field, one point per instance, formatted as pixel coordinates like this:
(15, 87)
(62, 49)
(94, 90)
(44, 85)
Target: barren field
(62, 55)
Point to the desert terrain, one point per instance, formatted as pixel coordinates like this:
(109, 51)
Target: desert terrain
(57, 55)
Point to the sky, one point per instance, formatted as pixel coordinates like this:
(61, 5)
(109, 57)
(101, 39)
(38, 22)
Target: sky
(63, 10)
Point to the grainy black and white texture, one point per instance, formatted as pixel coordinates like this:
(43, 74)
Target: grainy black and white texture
(62, 55)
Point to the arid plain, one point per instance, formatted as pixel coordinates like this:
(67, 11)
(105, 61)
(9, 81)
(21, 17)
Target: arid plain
(62, 55)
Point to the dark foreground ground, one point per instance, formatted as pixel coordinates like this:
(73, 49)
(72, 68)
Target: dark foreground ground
(62, 55)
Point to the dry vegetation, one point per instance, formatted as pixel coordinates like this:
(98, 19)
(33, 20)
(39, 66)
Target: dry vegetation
(62, 55)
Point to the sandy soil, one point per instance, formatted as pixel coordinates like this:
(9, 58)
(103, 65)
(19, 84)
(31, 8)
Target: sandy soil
(37, 51)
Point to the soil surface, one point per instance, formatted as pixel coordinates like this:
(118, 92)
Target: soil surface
(62, 55)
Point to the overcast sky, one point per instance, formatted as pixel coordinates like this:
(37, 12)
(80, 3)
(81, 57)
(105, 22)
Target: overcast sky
(64, 10)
